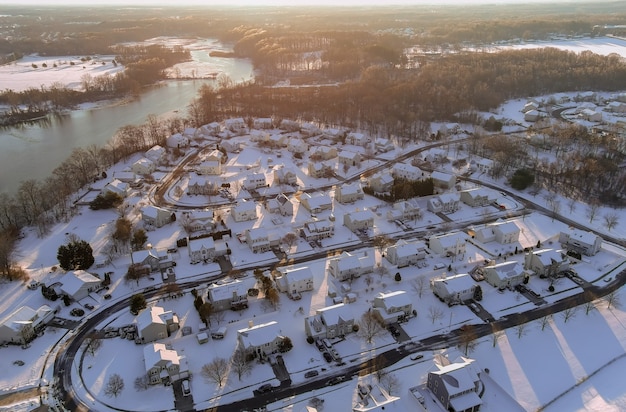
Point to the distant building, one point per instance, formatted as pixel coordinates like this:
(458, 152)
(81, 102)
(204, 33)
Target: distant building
(143, 166)
(155, 216)
(201, 250)
(348, 193)
(448, 244)
(405, 210)
(116, 186)
(255, 181)
(258, 239)
(444, 203)
(295, 280)
(244, 211)
(477, 197)
(162, 364)
(316, 202)
(380, 182)
(406, 171)
(443, 180)
(78, 284)
(318, 229)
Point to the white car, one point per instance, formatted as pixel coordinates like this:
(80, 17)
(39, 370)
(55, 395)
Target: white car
(186, 388)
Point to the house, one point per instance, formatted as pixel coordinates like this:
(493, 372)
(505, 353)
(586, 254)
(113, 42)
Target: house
(309, 129)
(230, 146)
(456, 386)
(448, 244)
(148, 258)
(156, 154)
(405, 210)
(198, 221)
(143, 166)
(616, 107)
(325, 152)
(436, 155)
(263, 123)
(444, 203)
(260, 340)
(585, 242)
(210, 129)
(155, 216)
(348, 193)
(201, 250)
(349, 266)
(212, 164)
(530, 106)
(330, 322)
(284, 175)
(319, 170)
(116, 186)
(289, 125)
(316, 202)
(531, 116)
(228, 295)
(393, 306)
(546, 262)
(236, 125)
(359, 220)
(349, 159)
(126, 176)
(254, 181)
(281, 205)
(590, 115)
(454, 289)
(295, 280)
(202, 187)
(277, 140)
(405, 252)
(380, 182)
(317, 230)
(383, 145)
(406, 171)
(178, 141)
(258, 239)
(162, 364)
(505, 275)
(297, 146)
(23, 323)
(357, 139)
(443, 180)
(485, 166)
(447, 129)
(477, 197)
(506, 232)
(78, 284)
(244, 211)
(156, 323)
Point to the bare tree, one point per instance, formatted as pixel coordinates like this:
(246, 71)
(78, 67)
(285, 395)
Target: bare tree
(290, 239)
(390, 383)
(92, 344)
(592, 210)
(205, 311)
(419, 285)
(218, 316)
(589, 306)
(142, 382)
(571, 205)
(611, 220)
(520, 330)
(434, 314)
(555, 208)
(114, 386)
(370, 326)
(240, 364)
(613, 300)
(568, 313)
(545, 321)
(495, 337)
(215, 371)
(467, 339)
(273, 296)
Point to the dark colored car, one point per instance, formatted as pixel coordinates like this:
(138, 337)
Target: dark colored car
(328, 357)
(77, 312)
(311, 374)
(336, 380)
(265, 388)
(89, 306)
(107, 296)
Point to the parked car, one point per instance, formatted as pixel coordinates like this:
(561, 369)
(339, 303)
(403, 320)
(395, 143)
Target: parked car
(33, 285)
(336, 380)
(319, 344)
(417, 357)
(77, 312)
(107, 296)
(265, 388)
(328, 357)
(327, 343)
(89, 306)
(186, 388)
(311, 374)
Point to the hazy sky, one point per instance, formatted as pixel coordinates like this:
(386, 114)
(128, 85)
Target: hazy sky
(267, 2)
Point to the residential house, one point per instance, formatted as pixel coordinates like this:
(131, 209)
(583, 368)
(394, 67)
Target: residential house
(156, 323)
(244, 211)
(454, 289)
(230, 146)
(277, 140)
(297, 146)
(23, 323)
(260, 341)
(263, 123)
(143, 167)
(319, 170)
(616, 107)
(156, 154)
(78, 284)
(530, 106)
(281, 204)
(284, 175)
(116, 186)
(295, 280)
(155, 216)
(318, 229)
(393, 306)
(258, 239)
(203, 187)
(383, 145)
(236, 125)
(406, 171)
(198, 221)
(357, 139)
(349, 266)
(309, 129)
(485, 166)
(380, 182)
(442, 180)
(162, 364)
(546, 262)
(349, 159)
(444, 203)
(348, 193)
(289, 125)
(316, 202)
(405, 252)
(359, 220)
(590, 115)
(228, 295)
(436, 155)
(477, 197)
(201, 250)
(506, 232)
(456, 386)
(330, 322)
(178, 141)
(210, 129)
(447, 129)
(325, 152)
(531, 116)
(504, 275)
(254, 181)
(585, 242)
(150, 259)
(405, 210)
(212, 164)
(126, 176)
(448, 244)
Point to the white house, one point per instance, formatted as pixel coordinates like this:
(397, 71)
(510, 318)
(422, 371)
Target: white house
(444, 203)
(254, 181)
(349, 159)
(477, 196)
(228, 295)
(454, 289)
(348, 266)
(78, 284)
(211, 129)
(318, 229)
(295, 280)
(309, 129)
(531, 116)
(319, 170)
(325, 152)
(263, 123)
(201, 250)
(289, 125)
(198, 221)
(393, 306)
(212, 164)
(383, 145)
(157, 154)
(155, 216)
(236, 125)
(504, 275)
(456, 386)
(116, 186)
(297, 146)
(405, 252)
(23, 323)
(443, 180)
(448, 244)
(177, 141)
(357, 139)
(359, 220)
(162, 364)
(405, 210)
(156, 323)
(585, 242)
(330, 322)
(143, 166)
(244, 211)
(485, 166)
(406, 171)
(380, 182)
(316, 202)
(258, 239)
(616, 107)
(284, 175)
(260, 340)
(590, 115)
(280, 204)
(348, 193)
(546, 262)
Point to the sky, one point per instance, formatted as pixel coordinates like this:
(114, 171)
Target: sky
(160, 3)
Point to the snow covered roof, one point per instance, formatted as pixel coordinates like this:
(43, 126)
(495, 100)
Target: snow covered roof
(336, 314)
(157, 354)
(457, 283)
(73, 281)
(258, 335)
(296, 274)
(218, 292)
(394, 299)
(154, 314)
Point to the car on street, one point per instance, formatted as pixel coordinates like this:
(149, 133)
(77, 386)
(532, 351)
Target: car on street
(311, 374)
(107, 296)
(336, 380)
(186, 388)
(89, 306)
(417, 356)
(265, 388)
(319, 344)
(77, 312)
(328, 357)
